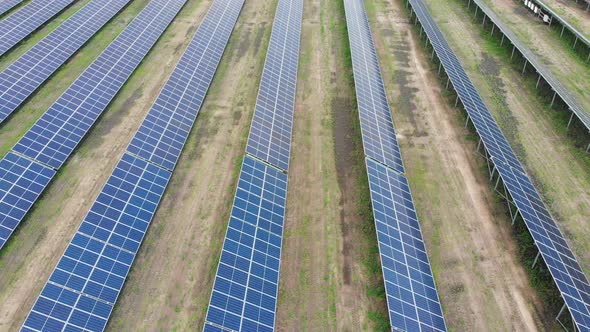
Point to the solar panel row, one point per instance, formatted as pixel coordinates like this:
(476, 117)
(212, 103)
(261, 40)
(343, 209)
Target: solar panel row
(8, 5)
(162, 135)
(244, 295)
(272, 123)
(88, 278)
(29, 18)
(555, 251)
(21, 183)
(19, 80)
(83, 288)
(60, 129)
(411, 293)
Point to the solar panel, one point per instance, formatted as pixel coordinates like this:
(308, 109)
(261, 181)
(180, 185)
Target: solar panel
(56, 134)
(560, 260)
(246, 284)
(83, 288)
(245, 290)
(21, 183)
(563, 265)
(7, 5)
(378, 133)
(164, 131)
(411, 292)
(87, 280)
(29, 18)
(410, 289)
(270, 134)
(19, 80)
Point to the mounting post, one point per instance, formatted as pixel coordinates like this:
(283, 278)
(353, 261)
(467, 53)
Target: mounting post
(553, 99)
(570, 121)
(536, 259)
(512, 55)
(538, 80)
(524, 67)
(502, 42)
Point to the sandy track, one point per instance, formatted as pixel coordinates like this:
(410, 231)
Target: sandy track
(481, 283)
(170, 284)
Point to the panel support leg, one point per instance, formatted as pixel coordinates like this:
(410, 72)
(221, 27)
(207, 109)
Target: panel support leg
(524, 67)
(456, 100)
(512, 55)
(570, 121)
(502, 42)
(536, 259)
(538, 80)
(553, 99)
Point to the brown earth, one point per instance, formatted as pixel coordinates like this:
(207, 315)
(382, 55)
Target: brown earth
(481, 282)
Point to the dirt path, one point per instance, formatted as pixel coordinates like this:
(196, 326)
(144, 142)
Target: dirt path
(39, 242)
(481, 283)
(576, 15)
(323, 277)
(570, 69)
(170, 284)
(559, 170)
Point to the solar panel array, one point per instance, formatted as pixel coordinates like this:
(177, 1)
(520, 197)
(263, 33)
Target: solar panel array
(19, 80)
(29, 18)
(244, 295)
(270, 135)
(162, 135)
(83, 289)
(555, 251)
(8, 5)
(60, 129)
(412, 298)
(88, 278)
(21, 183)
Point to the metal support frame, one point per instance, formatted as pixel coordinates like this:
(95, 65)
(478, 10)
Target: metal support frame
(536, 259)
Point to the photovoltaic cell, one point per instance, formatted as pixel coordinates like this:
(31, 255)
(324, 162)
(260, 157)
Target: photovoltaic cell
(378, 133)
(566, 271)
(560, 260)
(412, 298)
(19, 80)
(246, 285)
(83, 288)
(21, 183)
(164, 131)
(270, 134)
(411, 292)
(7, 5)
(29, 18)
(87, 280)
(56, 134)
(244, 295)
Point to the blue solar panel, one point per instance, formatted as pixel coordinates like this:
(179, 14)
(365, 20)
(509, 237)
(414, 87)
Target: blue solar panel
(270, 134)
(246, 285)
(97, 261)
(88, 278)
(379, 138)
(29, 18)
(59, 130)
(244, 295)
(7, 5)
(27, 73)
(21, 183)
(164, 131)
(411, 292)
(563, 265)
